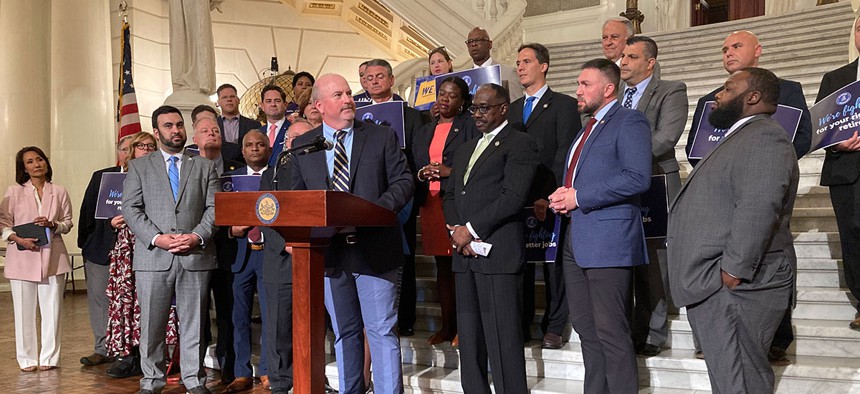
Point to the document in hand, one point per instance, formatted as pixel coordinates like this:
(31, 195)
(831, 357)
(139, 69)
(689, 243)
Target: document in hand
(31, 230)
(836, 117)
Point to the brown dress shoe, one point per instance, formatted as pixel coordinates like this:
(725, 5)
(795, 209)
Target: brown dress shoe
(456, 341)
(240, 384)
(264, 379)
(552, 341)
(855, 324)
(700, 354)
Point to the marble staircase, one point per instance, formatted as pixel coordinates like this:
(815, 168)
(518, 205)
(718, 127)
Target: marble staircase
(825, 354)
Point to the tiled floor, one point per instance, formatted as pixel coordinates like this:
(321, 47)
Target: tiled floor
(71, 377)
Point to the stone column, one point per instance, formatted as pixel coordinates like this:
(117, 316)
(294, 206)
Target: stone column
(82, 114)
(24, 80)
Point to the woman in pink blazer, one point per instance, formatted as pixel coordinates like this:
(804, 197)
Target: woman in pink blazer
(37, 273)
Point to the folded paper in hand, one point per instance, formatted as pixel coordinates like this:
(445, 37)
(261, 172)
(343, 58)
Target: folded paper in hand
(31, 230)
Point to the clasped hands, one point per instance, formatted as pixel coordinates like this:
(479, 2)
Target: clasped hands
(563, 200)
(434, 171)
(177, 243)
(461, 240)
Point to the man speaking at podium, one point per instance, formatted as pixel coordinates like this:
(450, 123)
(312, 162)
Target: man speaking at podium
(362, 264)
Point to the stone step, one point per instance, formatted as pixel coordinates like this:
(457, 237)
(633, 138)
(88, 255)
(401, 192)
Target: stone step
(433, 369)
(824, 303)
(814, 219)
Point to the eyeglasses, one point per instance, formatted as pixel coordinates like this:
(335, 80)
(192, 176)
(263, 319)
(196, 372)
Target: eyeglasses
(483, 108)
(141, 146)
(475, 41)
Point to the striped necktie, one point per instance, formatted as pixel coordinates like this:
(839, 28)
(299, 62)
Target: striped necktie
(173, 176)
(340, 173)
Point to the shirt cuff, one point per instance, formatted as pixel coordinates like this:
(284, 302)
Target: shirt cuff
(153, 239)
(472, 231)
(199, 237)
(7, 232)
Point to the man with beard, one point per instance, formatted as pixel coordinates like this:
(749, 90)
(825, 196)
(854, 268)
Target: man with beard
(173, 223)
(362, 264)
(729, 243)
(608, 167)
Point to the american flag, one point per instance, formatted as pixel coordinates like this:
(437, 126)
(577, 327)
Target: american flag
(126, 109)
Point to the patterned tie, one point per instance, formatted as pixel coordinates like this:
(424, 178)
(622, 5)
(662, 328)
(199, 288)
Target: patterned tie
(568, 178)
(340, 173)
(527, 109)
(173, 176)
(273, 133)
(628, 102)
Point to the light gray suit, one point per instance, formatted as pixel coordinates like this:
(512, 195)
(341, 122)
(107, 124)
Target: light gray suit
(665, 105)
(733, 214)
(149, 209)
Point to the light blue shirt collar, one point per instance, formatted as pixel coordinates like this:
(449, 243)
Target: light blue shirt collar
(640, 91)
(328, 133)
(602, 112)
(538, 95)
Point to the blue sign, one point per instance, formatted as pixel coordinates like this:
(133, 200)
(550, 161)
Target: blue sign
(240, 183)
(388, 114)
(541, 236)
(707, 136)
(425, 87)
(109, 202)
(655, 208)
(836, 117)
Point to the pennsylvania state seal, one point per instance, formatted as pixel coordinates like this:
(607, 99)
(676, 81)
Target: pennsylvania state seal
(267, 208)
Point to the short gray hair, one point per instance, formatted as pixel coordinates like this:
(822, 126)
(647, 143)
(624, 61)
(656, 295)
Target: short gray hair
(627, 24)
(381, 63)
(123, 139)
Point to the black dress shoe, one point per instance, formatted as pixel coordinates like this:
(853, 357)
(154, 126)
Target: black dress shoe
(700, 354)
(552, 341)
(125, 367)
(96, 359)
(406, 332)
(778, 357)
(648, 350)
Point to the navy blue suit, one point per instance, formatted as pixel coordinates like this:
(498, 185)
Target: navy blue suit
(247, 277)
(361, 276)
(605, 240)
(280, 139)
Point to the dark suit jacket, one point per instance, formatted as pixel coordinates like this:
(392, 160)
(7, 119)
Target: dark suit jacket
(379, 174)
(840, 168)
(280, 139)
(277, 263)
(744, 190)
(553, 123)
(96, 237)
(492, 200)
(614, 170)
(245, 124)
(790, 93)
(462, 129)
(235, 249)
(413, 119)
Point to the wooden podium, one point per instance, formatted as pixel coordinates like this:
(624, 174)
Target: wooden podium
(306, 219)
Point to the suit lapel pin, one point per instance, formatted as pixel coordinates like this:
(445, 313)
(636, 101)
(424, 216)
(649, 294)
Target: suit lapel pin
(497, 143)
(546, 105)
(456, 130)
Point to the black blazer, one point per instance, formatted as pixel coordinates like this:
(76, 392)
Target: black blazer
(412, 122)
(96, 237)
(790, 93)
(840, 168)
(277, 263)
(245, 124)
(493, 199)
(553, 123)
(463, 129)
(379, 174)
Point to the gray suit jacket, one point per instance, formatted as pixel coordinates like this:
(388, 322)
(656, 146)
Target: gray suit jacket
(149, 209)
(733, 213)
(665, 105)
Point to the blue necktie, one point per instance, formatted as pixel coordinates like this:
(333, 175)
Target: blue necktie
(173, 175)
(527, 109)
(340, 173)
(628, 102)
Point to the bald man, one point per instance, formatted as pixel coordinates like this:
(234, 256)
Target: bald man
(478, 44)
(741, 49)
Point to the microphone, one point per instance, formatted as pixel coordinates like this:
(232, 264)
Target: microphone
(322, 145)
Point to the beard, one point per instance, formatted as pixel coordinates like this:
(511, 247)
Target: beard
(168, 142)
(724, 116)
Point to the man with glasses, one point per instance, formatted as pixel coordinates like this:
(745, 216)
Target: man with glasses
(478, 44)
(490, 179)
(96, 237)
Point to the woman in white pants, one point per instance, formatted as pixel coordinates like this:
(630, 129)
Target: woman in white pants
(36, 272)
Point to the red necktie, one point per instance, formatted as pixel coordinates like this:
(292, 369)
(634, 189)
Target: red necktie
(568, 179)
(273, 133)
